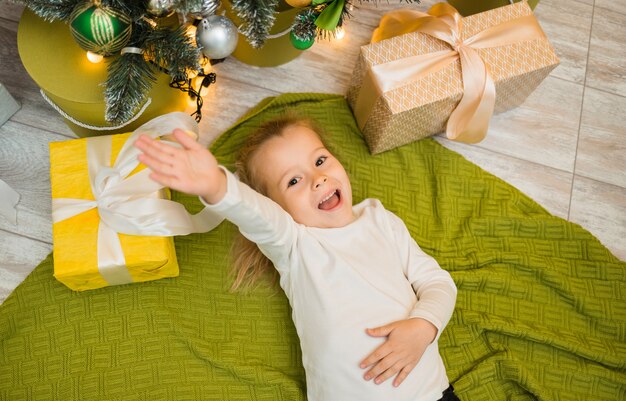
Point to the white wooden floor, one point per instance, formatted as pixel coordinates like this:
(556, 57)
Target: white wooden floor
(565, 146)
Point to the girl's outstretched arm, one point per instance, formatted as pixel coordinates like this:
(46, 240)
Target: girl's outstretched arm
(191, 169)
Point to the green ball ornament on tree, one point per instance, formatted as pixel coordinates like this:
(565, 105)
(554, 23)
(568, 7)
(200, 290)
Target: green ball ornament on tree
(99, 29)
(301, 44)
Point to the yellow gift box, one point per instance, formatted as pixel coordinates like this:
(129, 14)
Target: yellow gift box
(426, 72)
(76, 238)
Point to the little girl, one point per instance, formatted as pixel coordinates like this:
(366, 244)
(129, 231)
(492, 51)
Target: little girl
(368, 304)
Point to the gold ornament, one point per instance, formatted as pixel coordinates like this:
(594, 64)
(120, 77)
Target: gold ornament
(298, 3)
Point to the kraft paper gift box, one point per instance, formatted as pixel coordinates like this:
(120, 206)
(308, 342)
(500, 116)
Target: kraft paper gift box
(425, 73)
(103, 202)
(73, 84)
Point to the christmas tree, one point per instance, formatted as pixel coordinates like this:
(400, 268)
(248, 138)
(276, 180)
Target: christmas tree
(145, 36)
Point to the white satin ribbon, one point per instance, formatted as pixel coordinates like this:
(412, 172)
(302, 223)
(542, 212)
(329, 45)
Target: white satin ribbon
(131, 205)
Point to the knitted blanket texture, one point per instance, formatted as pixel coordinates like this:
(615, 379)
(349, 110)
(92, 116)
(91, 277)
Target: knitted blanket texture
(540, 313)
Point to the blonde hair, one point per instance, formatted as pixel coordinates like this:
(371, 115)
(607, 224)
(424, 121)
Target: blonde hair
(249, 264)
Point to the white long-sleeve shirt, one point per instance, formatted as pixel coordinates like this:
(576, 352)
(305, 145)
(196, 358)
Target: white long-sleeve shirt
(340, 281)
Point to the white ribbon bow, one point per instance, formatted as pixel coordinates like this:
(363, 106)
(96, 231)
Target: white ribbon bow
(131, 205)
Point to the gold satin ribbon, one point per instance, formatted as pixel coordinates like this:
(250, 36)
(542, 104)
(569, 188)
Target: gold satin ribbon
(131, 204)
(469, 121)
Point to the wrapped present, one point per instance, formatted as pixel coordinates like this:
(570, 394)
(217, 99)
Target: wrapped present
(111, 223)
(426, 72)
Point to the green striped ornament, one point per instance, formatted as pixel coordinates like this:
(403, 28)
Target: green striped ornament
(99, 29)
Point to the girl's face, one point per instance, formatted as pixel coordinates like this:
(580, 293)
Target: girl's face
(303, 177)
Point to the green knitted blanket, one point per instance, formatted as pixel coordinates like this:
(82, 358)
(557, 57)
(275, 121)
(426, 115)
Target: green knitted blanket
(541, 310)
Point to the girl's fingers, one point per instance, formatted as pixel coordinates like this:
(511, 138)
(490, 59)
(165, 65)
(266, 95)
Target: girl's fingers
(380, 366)
(184, 139)
(157, 150)
(147, 143)
(391, 371)
(165, 180)
(381, 331)
(377, 355)
(403, 374)
(154, 164)
(388, 371)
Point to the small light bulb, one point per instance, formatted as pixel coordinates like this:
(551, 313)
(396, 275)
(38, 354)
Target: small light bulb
(191, 32)
(191, 73)
(205, 68)
(340, 33)
(94, 57)
(191, 101)
(205, 63)
(197, 85)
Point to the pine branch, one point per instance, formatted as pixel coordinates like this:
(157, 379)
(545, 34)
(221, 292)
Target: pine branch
(258, 17)
(134, 9)
(173, 50)
(129, 80)
(304, 27)
(141, 30)
(50, 10)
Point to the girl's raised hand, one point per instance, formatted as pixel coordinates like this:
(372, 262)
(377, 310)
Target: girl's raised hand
(191, 169)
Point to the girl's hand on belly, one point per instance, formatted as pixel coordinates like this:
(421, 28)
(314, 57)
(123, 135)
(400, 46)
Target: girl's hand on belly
(399, 354)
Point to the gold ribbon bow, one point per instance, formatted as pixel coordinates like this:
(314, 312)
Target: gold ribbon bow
(470, 120)
(130, 204)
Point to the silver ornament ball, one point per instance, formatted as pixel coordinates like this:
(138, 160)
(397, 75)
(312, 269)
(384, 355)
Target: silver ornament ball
(216, 36)
(160, 8)
(205, 8)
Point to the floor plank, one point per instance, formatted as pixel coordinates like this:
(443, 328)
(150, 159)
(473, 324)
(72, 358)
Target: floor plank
(567, 24)
(601, 209)
(607, 63)
(11, 12)
(615, 6)
(25, 166)
(602, 143)
(544, 129)
(225, 103)
(18, 257)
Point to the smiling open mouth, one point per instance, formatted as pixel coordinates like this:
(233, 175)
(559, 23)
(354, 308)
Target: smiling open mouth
(330, 201)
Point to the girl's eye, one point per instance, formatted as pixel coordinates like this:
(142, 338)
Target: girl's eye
(293, 181)
(320, 161)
